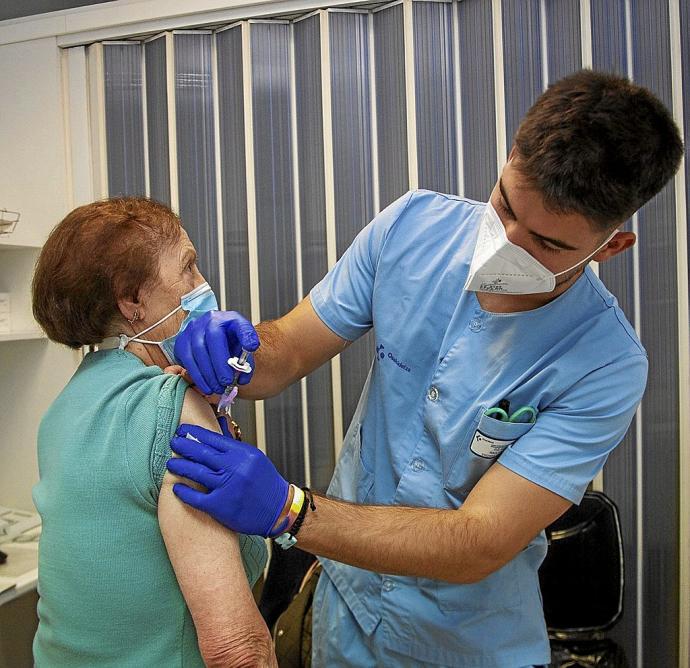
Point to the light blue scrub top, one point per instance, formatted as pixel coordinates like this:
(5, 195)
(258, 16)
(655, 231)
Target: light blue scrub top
(441, 362)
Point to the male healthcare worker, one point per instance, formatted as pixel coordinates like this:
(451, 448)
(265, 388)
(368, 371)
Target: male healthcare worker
(505, 374)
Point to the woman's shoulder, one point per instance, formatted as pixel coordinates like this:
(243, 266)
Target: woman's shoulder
(103, 387)
(138, 406)
(152, 413)
(119, 376)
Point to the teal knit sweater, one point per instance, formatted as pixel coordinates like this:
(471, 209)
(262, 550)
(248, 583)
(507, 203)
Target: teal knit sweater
(108, 593)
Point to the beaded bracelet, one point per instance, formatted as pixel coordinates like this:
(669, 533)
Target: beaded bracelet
(287, 539)
(309, 503)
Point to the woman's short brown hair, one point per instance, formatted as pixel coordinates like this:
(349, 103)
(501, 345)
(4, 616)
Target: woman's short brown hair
(97, 254)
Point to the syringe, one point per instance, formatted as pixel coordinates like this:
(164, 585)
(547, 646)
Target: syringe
(240, 365)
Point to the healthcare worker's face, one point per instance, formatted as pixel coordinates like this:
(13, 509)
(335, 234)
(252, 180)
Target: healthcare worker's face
(557, 240)
(178, 275)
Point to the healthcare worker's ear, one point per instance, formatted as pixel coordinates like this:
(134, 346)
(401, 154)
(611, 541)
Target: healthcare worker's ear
(622, 241)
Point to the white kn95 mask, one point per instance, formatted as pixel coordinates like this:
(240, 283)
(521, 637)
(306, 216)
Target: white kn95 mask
(500, 266)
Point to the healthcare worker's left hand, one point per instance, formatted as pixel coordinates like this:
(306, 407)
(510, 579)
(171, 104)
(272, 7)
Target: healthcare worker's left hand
(245, 492)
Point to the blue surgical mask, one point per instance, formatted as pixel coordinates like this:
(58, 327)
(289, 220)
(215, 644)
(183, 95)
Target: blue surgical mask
(196, 303)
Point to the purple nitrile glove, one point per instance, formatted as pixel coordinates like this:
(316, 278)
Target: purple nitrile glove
(245, 492)
(206, 344)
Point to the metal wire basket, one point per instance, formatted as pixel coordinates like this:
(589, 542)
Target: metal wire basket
(8, 221)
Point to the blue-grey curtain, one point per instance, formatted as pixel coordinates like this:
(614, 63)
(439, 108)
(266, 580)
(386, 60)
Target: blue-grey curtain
(454, 106)
(314, 242)
(196, 175)
(234, 192)
(124, 118)
(273, 159)
(157, 119)
(391, 104)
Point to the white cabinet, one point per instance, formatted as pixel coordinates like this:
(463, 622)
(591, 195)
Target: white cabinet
(34, 181)
(32, 371)
(16, 270)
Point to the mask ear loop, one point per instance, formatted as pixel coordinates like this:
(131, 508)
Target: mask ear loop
(126, 340)
(590, 256)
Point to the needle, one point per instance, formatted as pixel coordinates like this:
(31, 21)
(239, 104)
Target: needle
(240, 365)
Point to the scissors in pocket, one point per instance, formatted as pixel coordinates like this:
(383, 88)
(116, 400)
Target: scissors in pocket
(522, 414)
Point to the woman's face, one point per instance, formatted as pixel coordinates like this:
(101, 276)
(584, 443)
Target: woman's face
(178, 275)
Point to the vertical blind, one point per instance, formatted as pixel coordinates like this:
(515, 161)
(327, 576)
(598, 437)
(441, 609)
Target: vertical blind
(278, 140)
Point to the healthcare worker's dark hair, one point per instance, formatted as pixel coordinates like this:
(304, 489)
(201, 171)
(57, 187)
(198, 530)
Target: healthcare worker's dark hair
(97, 254)
(598, 145)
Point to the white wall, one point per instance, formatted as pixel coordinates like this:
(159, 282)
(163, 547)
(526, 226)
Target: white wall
(33, 181)
(32, 167)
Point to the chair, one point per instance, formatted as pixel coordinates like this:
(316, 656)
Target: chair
(582, 580)
(286, 571)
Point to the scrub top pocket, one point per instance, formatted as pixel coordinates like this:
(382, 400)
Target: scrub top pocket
(365, 478)
(483, 443)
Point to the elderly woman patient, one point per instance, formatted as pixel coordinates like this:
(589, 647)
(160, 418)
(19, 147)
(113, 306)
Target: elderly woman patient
(119, 576)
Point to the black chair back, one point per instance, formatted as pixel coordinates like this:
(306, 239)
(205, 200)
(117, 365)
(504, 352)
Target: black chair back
(582, 575)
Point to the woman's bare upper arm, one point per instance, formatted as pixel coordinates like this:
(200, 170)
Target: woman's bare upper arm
(206, 558)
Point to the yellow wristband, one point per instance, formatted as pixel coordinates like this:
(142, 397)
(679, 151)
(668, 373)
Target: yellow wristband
(295, 506)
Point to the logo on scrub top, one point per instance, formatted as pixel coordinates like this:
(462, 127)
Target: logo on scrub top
(381, 355)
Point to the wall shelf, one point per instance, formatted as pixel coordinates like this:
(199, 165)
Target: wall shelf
(23, 335)
(20, 573)
(5, 243)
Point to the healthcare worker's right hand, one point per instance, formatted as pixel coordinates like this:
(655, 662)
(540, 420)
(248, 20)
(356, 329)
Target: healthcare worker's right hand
(206, 344)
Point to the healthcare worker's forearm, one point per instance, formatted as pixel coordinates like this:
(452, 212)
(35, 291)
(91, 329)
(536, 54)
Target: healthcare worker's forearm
(274, 366)
(449, 545)
(499, 518)
(291, 347)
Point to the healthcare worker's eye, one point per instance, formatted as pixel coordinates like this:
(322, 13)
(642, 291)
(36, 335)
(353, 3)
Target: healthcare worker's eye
(545, 246)
(505, 210)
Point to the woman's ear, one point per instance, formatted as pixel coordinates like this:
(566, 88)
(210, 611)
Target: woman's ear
(131, 310)
(622, 241)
